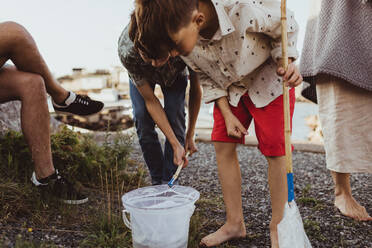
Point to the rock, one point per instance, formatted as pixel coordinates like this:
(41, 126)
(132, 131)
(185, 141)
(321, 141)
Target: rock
(10, 118)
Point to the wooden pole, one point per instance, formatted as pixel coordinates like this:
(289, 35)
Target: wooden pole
(287, 119)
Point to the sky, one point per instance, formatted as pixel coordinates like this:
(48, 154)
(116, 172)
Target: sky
(84, 33)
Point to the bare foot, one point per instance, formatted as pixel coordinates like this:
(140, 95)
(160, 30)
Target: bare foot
(274, 236)
(348, 206)
(225, 233)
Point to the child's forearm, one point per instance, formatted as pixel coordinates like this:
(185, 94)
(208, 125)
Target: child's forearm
(157, 113)
(234, 127)
(223, 105)
(194, 102)
(160, 118)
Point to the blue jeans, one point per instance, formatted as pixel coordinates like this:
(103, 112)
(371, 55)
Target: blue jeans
(160, 163)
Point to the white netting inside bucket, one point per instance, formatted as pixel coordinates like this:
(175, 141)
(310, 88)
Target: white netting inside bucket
(159, 215)
(160, 197)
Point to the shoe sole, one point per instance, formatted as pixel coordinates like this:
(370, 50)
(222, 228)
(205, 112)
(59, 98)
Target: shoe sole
(69, 113)
(75, 202)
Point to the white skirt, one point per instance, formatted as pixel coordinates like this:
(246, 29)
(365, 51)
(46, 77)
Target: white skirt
(345, 113)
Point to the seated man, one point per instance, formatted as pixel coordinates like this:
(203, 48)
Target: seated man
(29, 81)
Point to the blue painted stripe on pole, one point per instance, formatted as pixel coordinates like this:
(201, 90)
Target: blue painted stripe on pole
(291, 195)
(170, 184)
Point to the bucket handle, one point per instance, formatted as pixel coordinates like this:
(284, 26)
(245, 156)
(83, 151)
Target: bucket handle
(125, 219)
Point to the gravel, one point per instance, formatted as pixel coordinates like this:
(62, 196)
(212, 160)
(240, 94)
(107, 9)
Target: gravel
(325, 226)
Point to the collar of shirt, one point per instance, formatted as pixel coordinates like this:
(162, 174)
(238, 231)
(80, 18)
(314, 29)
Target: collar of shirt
(225, 25)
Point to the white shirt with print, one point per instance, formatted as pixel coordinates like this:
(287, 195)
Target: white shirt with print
(241, 55)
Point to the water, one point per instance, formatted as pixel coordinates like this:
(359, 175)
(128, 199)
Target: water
(302, 110)
(205, 119)
(162, 203)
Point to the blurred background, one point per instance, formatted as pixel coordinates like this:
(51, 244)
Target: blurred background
(78, 39)
(84, 33)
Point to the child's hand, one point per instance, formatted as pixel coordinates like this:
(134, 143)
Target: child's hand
(292, 76)
(190, 144)
(179, 155)
(234, 127)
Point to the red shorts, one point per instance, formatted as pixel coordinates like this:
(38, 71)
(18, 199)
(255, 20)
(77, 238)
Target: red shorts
(268, 122)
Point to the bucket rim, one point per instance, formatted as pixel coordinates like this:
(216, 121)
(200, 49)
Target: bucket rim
(142, 209)
(129, 206)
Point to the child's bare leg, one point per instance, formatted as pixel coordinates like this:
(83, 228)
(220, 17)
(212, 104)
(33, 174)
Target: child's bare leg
(230, 178)
(344, 200)
(18, 45)
(278, 193)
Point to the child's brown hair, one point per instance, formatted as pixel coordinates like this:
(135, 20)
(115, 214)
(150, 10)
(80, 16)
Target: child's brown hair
(153, 20)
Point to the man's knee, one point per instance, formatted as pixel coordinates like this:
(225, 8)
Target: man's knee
(33, 85)
(16, 33)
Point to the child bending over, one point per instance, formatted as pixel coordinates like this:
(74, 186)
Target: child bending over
(235, 48)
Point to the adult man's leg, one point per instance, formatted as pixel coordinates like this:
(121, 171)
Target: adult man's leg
(17, 45)
(29, 88)
(147, 136)
(174, 106)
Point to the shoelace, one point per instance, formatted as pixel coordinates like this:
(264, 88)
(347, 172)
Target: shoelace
(63, 181)
(82, 99)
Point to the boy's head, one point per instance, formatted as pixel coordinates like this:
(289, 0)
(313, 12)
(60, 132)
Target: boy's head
(172, 25)
(155, 54)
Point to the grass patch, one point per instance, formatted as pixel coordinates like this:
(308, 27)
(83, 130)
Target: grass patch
(21, 243)
(108, 232)
(313, 229)
(13, 198)
(210, 203)
(100, 170)
(306, 200)
(104, 171)
(306, 190)
(78, 157)
(33, 244)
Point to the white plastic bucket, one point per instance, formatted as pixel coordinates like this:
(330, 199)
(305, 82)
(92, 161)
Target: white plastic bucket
(159, 216)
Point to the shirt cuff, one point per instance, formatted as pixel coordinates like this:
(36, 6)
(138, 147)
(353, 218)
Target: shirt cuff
(213, 96)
